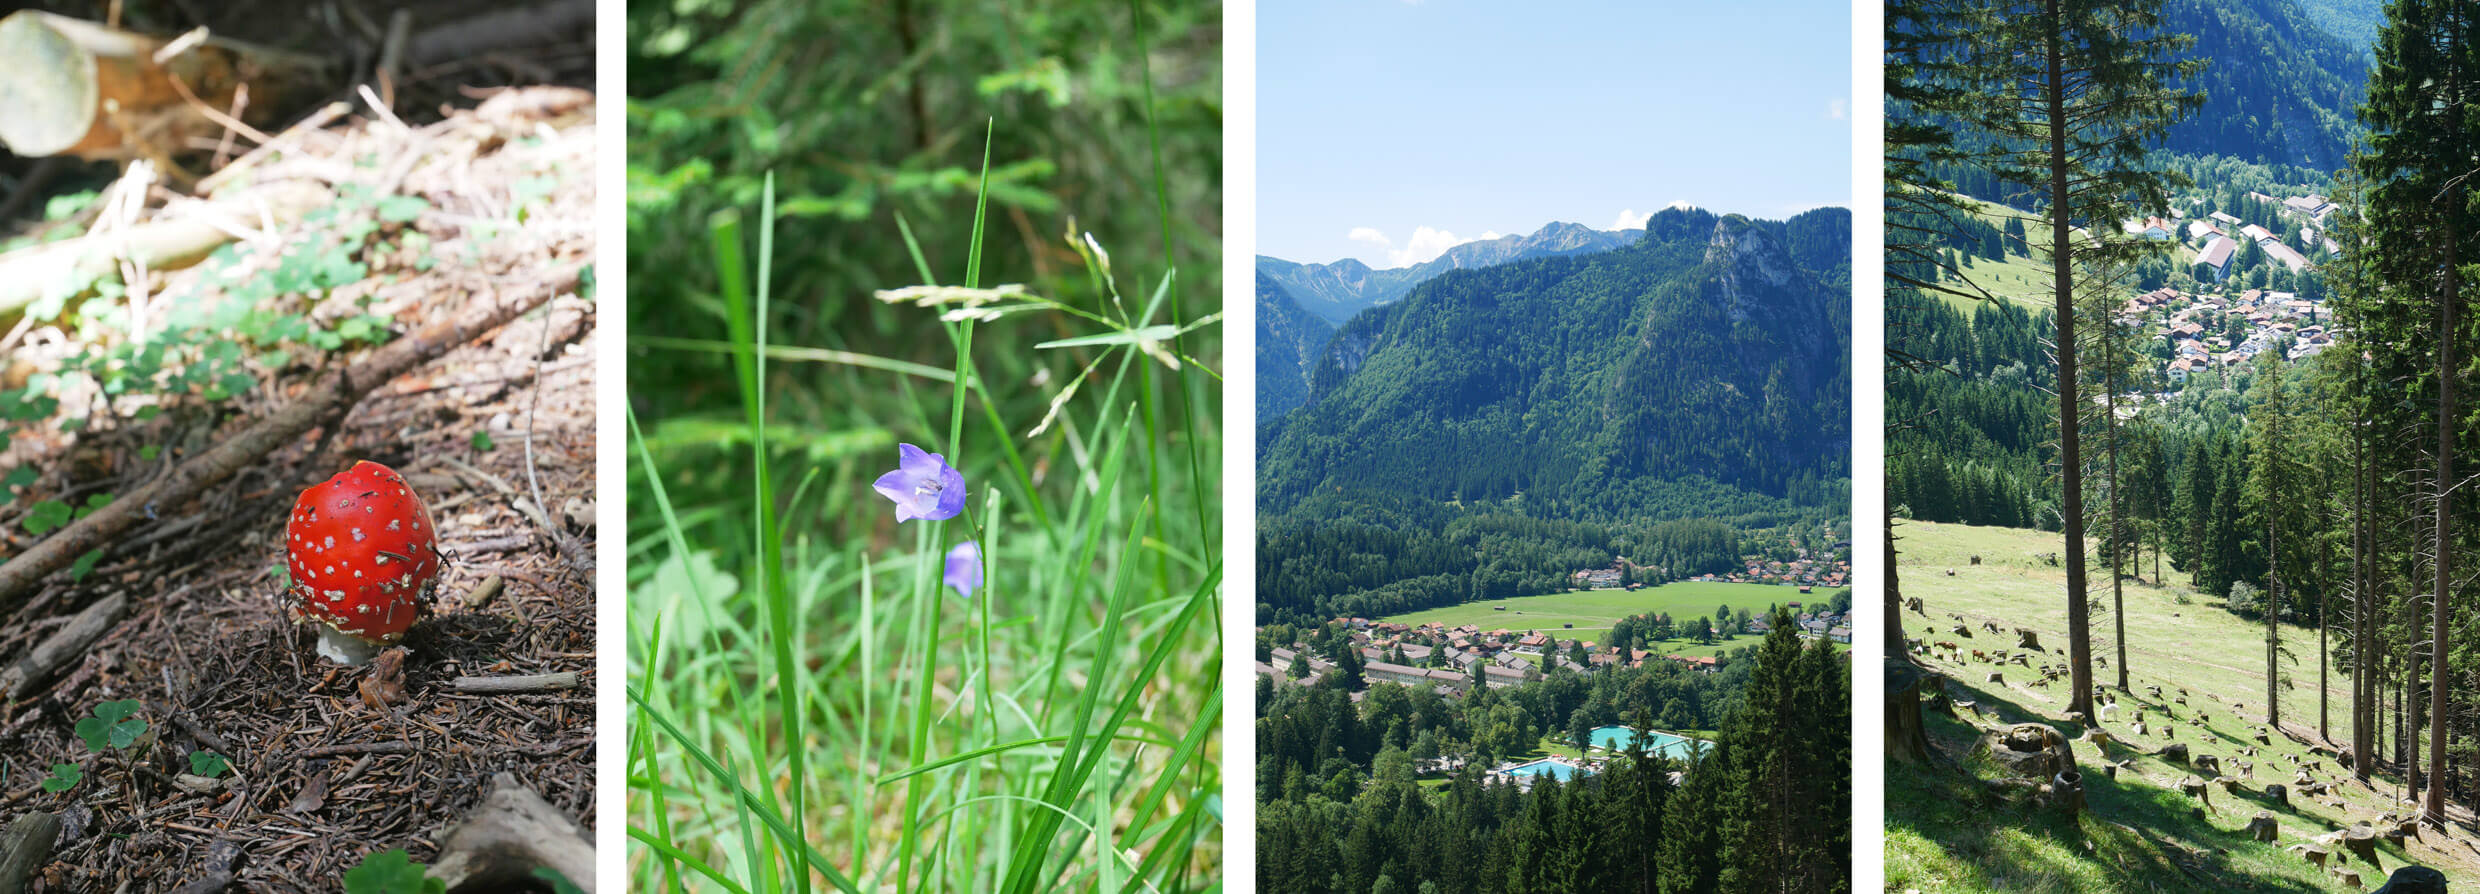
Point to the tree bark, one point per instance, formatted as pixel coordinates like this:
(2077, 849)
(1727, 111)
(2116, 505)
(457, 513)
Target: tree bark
(2440, 625)
(2070, 449)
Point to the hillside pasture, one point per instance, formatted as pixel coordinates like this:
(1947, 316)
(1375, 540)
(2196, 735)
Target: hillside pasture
(1951, 827)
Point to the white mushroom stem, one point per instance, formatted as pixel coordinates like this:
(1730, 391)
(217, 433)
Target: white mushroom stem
(345, 648)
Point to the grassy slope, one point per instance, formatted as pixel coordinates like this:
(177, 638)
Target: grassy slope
(1939, 836)
(2023, 279)
(1593, 611)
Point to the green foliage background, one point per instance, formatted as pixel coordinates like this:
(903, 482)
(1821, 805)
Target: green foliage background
(865, 111)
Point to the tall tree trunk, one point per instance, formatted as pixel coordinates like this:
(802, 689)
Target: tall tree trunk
(2273, 576)
(2118, 540)
(2363, 710)
(2070, 452)
(2324, 709)
(2439, 627)
(1894, 593)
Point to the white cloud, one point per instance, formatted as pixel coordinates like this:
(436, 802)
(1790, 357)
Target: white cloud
(1426, 244)
(1838, 109)
(1630, 219)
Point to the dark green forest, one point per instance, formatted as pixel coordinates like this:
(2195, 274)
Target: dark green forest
(1341, 808)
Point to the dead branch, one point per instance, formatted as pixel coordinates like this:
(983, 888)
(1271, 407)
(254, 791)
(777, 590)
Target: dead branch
(62, 647)
(330, 397)
(394, 747)
(527, 683)
(170, 243)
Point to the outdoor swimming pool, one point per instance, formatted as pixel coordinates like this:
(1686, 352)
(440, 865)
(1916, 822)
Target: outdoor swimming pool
(1558, 770)
(1617, 738)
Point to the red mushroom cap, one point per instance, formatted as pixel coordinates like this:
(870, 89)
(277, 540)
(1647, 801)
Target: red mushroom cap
(363, 554)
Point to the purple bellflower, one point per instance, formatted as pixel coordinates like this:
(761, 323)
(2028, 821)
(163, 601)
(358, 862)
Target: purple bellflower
(923, 486)
(964, 567)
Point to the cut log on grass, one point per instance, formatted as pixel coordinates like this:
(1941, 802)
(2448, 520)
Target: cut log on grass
(78, 88)
(2264, 828)
(511, 834)
(26, 845)
(177, 239)
(327, 398)
(62, 647)
(503, 685)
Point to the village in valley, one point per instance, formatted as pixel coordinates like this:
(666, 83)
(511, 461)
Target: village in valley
(1449, 661)
(2247, 289)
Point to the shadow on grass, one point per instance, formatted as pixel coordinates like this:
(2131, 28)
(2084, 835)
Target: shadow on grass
(1949, 829)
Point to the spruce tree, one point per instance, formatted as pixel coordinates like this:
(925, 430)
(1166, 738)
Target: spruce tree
(2073, 94)
(2424, 135)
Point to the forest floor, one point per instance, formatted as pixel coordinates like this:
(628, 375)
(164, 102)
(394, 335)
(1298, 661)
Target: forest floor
(2140, 832)
(311, 767)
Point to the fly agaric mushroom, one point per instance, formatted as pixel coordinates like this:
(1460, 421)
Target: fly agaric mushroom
(364, 557)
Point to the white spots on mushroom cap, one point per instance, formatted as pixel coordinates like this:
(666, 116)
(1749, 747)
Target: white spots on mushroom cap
(394, 524)
(357, 535)
(330, 544)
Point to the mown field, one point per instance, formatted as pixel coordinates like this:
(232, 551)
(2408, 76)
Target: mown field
(1949, 829)
(1594, 611)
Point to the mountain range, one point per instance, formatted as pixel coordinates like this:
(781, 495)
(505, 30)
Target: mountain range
(1702, 368)
(1299, 305)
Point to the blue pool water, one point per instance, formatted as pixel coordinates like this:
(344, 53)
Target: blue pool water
(1544, 767)
(1616, 738)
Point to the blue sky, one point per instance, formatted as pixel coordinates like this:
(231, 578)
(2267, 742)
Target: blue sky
(1390, 130)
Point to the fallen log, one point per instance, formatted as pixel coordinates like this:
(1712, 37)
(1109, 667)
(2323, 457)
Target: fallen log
(326, 399)
(26, 845)
(510, 835)
(79, 88)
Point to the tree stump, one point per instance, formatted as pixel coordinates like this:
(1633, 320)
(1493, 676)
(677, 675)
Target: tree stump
(2278, 794)
(2415, 880)
(2175, 752)
(2361, 841)
(1907, 740)
(2315, 855)
(2032, 750)
(1995, 679)
(2068, 789)
(2209, 764)
(2264, 827)
(2025, 638)
(1913, 603)
(2348, 878)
